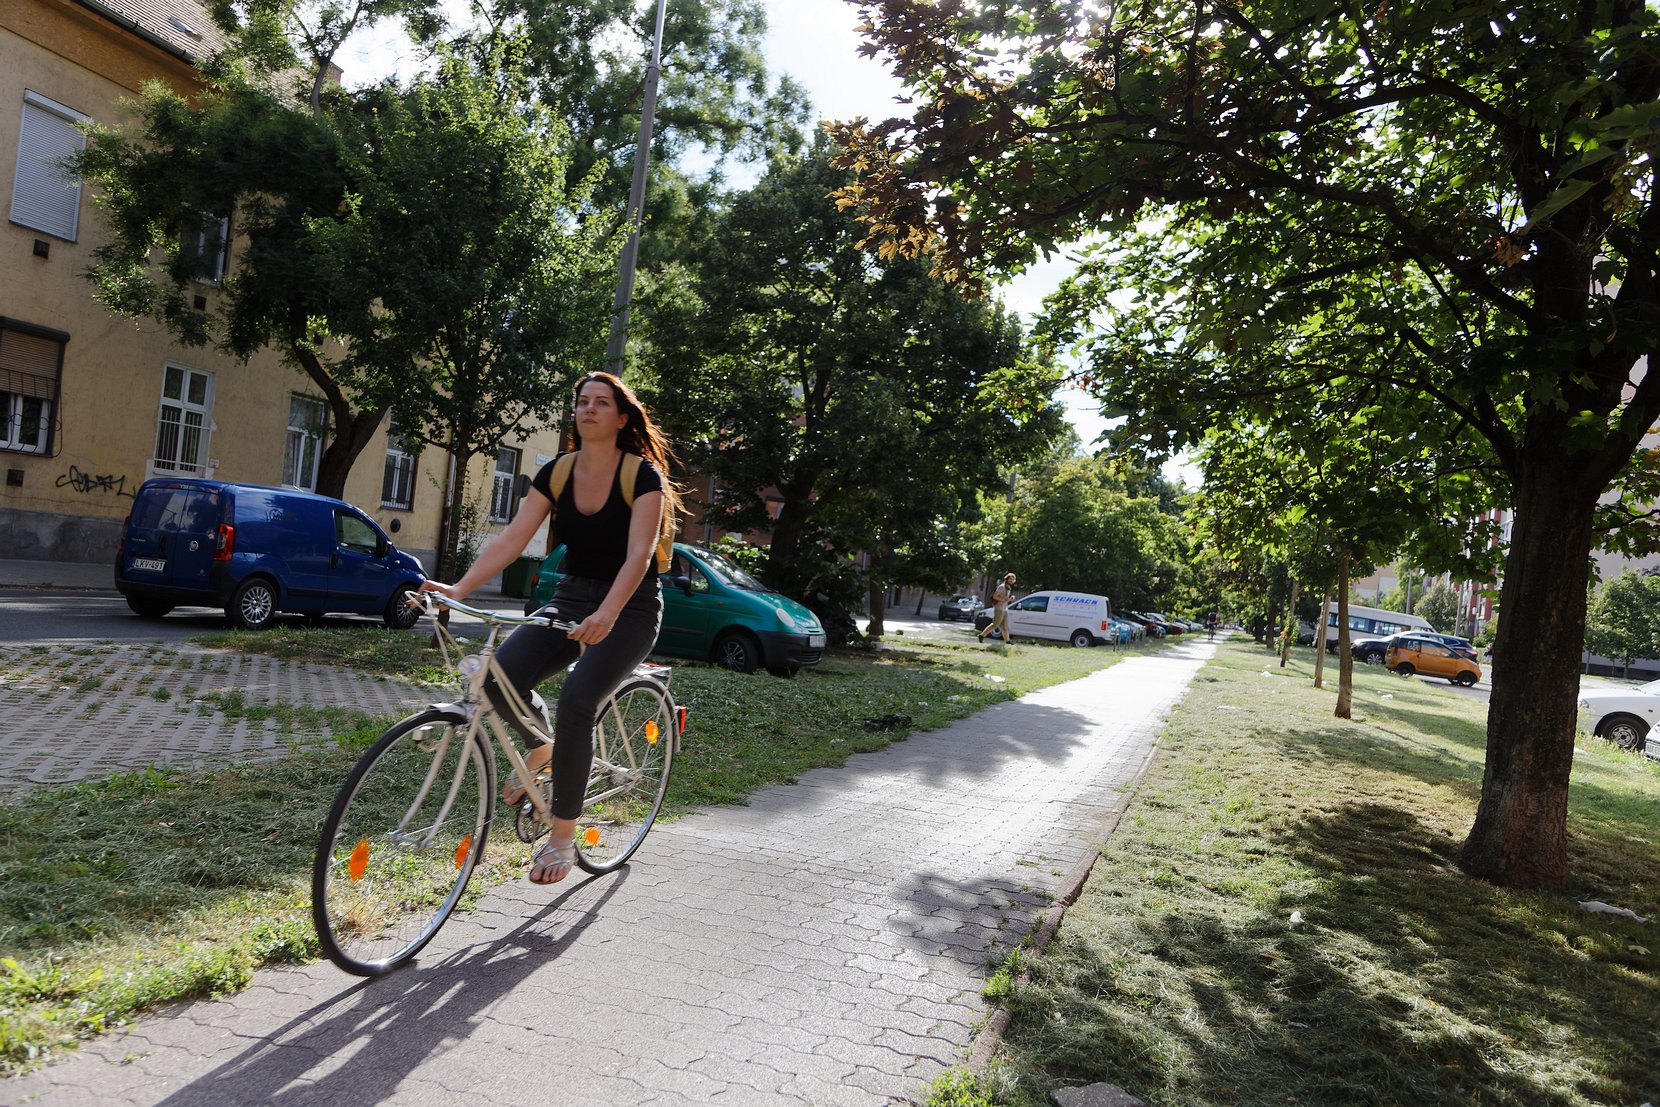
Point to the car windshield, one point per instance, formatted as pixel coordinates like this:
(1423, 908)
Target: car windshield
(728, 573)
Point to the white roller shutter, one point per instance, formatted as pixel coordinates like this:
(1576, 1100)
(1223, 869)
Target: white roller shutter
(43, 196)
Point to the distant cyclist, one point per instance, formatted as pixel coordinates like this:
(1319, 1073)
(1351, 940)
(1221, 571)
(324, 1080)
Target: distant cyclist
(1210, 625)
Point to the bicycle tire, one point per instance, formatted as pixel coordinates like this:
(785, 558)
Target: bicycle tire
(385, 878)
(635, 738)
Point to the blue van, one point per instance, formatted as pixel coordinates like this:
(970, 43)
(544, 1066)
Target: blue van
(713, 610)
(256, 551)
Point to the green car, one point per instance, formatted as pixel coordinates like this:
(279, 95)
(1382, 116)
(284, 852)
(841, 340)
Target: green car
(715, 611)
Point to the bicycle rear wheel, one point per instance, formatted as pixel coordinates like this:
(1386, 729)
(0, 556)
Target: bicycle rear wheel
(401, 842)
(634, 742)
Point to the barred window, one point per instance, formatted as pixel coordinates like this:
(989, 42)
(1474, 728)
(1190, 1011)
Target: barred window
(502, 500)
(31, 365)
(185, 422)
(307, 419)
(397, 486)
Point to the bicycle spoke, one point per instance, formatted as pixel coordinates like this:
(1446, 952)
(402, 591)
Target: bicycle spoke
(633, 750)
(401, 843)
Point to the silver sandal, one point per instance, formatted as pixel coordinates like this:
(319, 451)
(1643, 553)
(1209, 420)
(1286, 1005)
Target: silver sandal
(557, 858)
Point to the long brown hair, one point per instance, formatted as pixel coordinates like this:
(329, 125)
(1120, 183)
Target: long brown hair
(639, 435)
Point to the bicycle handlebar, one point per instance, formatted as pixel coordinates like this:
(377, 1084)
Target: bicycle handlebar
(427, 599)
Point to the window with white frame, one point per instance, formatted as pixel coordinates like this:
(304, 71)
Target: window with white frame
(44, 196)
(397, 486)
(307, 420)
(204, 243)
(502, 500)
(185, 423)
(31, 364)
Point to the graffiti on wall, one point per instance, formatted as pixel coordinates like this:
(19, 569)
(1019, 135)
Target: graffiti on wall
(86, 483)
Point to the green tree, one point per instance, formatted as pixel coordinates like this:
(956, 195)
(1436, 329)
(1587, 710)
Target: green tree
(467, 257)
(1440, 607)
(843, 404)
(1078, 526)
(1463, 192)
(1624, 620)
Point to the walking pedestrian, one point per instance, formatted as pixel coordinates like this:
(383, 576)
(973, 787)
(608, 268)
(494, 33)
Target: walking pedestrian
(1000, 601)
(610, 590)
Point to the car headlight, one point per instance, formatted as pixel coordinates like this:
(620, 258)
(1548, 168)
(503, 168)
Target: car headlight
(788, 620)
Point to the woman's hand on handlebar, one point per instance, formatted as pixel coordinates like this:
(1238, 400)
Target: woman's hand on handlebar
(439, 587)
(592, 630)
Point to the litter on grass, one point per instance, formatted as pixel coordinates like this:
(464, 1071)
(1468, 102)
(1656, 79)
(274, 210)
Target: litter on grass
(1597, 907)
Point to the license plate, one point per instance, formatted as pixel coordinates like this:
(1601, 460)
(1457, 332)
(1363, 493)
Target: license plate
(153, 564)
(815, 641)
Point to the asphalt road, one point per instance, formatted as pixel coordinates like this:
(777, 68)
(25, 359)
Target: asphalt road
(39, 615)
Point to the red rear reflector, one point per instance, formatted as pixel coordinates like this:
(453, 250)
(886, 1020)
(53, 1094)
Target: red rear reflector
(683, 715)
(225, 542)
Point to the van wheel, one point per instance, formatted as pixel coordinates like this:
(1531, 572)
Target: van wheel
(398, 614)
(1082, 638)
(149, 609)
(1404, 669)
(737, 651)
(1466, 680)
(253, 605)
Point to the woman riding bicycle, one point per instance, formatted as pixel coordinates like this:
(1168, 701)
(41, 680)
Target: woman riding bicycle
(610, 591)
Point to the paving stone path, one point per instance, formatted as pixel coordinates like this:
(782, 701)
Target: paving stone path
(136, 705)
(825, 944)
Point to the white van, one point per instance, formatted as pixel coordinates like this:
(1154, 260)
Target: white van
(1076, 617)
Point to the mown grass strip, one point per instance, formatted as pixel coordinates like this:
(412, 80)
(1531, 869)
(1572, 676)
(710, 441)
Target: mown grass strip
(150, 886)
(1183, 975)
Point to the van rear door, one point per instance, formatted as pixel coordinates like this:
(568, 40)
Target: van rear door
(172, 536)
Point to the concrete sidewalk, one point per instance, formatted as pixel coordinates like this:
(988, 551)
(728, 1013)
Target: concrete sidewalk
(825, 944)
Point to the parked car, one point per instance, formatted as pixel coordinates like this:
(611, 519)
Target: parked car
(1408, 655)
(1369, 650)
(256, 551)
(1153, 628)
(1128, 629)
(1372, 650)
(715, 611)
(959, 607)
(1623, 716)
(1461, 646)
(1080, 618)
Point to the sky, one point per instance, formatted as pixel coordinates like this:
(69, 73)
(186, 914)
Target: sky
(813, 41)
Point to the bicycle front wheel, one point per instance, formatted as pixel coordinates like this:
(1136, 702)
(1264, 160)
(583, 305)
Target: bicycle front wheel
(401, 842)
(634, 742)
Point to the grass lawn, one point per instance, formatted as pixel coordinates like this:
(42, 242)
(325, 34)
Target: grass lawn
(1279, 919)
(152, 886)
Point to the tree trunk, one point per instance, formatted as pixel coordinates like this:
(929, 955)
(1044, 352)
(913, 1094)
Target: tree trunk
(1519, 839)
(1291, 626)
(1320, 639)
(352, 429)
(878, 608)
(455, 515)
(1345, 659)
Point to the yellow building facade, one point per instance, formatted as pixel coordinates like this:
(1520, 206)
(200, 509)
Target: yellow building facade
(92, 404)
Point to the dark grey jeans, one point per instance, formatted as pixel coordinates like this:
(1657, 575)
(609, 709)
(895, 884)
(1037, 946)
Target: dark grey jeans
(533, 654)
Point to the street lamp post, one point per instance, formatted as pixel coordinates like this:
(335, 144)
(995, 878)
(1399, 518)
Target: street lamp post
(614, 349)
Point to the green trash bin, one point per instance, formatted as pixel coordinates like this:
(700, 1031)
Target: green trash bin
(520, 577)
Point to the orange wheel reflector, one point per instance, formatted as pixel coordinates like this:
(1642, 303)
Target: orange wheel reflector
(591, 836)
(651, 731)
(463, 849)
(358, 864)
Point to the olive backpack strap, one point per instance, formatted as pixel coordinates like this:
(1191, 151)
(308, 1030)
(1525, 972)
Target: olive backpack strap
(665, 537)
(562, 467)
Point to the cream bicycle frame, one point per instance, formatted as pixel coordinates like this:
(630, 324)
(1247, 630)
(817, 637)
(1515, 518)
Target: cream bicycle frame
(482, 714)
